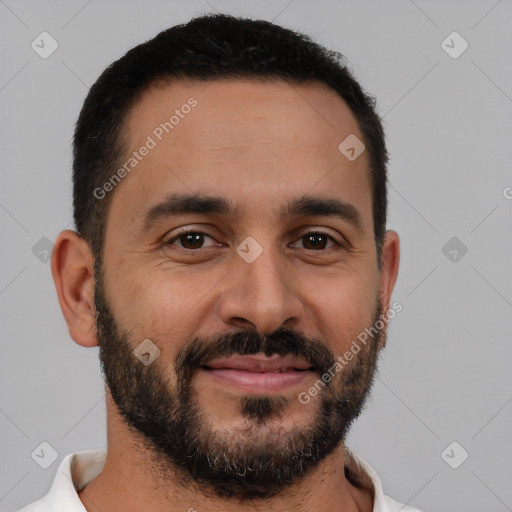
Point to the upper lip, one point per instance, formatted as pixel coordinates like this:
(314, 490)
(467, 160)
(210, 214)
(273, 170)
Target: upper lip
(259, 363)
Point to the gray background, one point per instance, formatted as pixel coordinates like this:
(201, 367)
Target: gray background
(445, 374)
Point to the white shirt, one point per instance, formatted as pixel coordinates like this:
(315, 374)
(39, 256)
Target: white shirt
(77, 469)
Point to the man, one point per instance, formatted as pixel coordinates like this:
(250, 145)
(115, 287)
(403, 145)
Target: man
(232, 263)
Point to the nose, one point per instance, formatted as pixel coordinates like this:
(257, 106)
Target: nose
(261, 295)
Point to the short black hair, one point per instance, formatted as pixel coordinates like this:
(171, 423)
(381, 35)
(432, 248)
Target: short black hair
(209, 47)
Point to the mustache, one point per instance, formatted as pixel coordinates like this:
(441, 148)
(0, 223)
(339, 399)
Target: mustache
(199, 352)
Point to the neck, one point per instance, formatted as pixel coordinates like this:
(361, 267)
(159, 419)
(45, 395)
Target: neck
(130, 481)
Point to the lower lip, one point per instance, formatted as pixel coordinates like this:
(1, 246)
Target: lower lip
(265, 381)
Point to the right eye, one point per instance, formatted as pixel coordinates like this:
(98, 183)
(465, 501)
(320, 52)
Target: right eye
(189, 240)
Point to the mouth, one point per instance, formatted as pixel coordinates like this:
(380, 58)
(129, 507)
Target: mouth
(258, 372)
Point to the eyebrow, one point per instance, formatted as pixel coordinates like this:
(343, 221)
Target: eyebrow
(183, 204)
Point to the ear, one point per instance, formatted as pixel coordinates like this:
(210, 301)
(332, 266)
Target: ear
(73, 275)
(389, 269)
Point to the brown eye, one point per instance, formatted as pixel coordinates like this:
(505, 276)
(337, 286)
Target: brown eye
(317, 241)
(189, 240)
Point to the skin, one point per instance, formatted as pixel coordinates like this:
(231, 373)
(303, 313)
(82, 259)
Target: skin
(259, 144)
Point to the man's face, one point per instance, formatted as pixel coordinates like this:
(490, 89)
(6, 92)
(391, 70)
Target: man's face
(251, 307)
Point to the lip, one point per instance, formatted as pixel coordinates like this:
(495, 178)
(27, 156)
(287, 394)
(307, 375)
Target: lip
(258, 372)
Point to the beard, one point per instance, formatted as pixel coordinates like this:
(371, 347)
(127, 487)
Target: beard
(161, 408)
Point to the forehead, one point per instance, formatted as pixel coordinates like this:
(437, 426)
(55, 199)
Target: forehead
(253, 139)
(232, 112)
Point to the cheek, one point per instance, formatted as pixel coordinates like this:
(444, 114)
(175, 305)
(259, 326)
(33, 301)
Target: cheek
(161, 306)
(343, 308)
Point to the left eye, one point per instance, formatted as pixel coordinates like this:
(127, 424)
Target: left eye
(317, 241)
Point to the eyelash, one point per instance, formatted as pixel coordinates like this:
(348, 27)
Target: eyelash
(196, 232)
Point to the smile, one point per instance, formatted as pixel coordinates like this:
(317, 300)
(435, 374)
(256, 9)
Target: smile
(258, 372)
